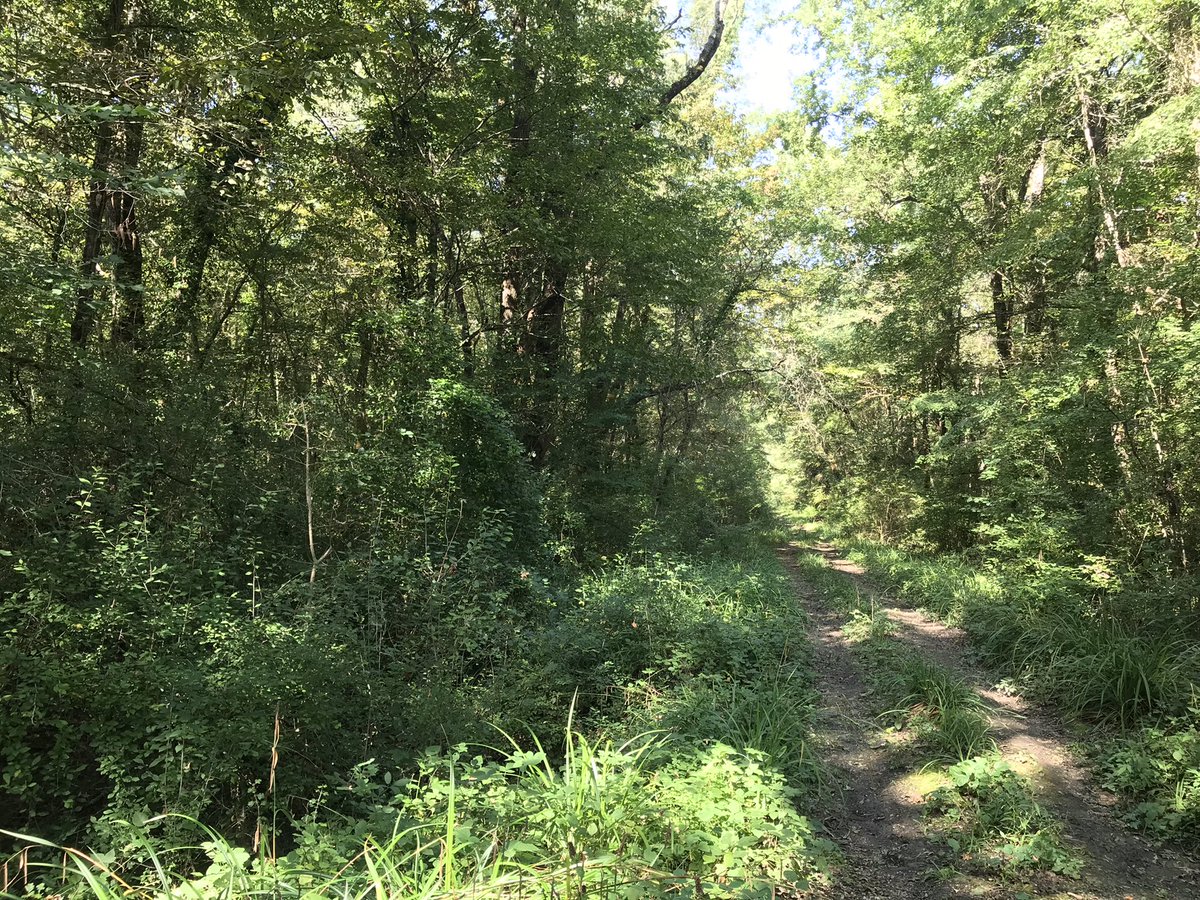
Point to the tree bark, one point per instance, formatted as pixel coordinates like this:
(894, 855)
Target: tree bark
(112, 204)
(84, 319)
(126, 239)
(1031, 194)
(696, 69)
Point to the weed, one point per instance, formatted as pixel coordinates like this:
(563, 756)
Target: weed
(864, 626)
(944, 711)
(987, 811)
(1158, 770)
(720, 821)
(770, 715)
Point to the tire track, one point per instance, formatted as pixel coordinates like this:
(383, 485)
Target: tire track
(878, 821)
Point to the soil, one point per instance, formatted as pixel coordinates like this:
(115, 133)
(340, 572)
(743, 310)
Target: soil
(875, 807)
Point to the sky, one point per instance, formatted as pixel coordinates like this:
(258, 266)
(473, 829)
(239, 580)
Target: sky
(770, 57)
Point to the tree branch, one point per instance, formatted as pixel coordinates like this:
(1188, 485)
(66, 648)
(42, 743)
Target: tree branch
(675, 388)
(696, 69)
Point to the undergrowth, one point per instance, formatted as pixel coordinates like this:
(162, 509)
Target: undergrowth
(684, 769)
(987, 813)
(1083, 651)
(1157, 769)
(716, 821)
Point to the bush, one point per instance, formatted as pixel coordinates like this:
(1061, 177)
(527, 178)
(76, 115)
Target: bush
(988, 811)
(1157, 769)
(663, 622)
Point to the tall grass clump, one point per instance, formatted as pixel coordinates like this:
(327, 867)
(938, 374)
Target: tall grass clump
(770, 715)
(946, 712)
(716, 821)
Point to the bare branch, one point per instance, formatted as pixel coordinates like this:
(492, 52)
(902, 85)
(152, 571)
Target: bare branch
(697, 68)
(640, 396)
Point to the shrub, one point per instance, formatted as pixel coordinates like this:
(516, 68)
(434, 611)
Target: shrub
(987, 810)
(1157, 770)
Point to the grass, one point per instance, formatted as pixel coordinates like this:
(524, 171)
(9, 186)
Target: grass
(1050, 633)
(944, 711)
(1122, 671)
(770, 715)
(985, 812)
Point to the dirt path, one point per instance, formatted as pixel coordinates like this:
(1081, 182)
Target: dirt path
(878, 819)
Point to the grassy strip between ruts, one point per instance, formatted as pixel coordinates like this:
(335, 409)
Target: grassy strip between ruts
(983, 810)
(682, 770)
(1074, 646)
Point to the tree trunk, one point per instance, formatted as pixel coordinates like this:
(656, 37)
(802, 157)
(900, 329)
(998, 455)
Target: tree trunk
(112, 205)
(520, 138)
(1183, 77)
(1093, 124)
(127, 244)
(94, 237)
(1002, 312)
(1036, 309)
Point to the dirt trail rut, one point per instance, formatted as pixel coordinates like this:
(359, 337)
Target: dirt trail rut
(878, 819)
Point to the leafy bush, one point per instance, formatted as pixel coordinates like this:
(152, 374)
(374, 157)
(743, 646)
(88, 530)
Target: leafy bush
(339, 587)
(735, 817)
(1157, 770)
(664, 621)
(988, 811)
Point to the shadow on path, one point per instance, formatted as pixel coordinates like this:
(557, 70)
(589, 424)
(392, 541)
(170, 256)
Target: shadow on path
(878, 825)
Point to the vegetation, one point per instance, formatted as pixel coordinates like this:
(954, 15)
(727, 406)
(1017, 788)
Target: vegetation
(987, 343)
(988, 811)
(401, 400)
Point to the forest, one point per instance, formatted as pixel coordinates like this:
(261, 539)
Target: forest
(488, 450)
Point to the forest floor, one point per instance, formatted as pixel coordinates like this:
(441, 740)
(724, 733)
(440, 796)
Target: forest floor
(879, 779)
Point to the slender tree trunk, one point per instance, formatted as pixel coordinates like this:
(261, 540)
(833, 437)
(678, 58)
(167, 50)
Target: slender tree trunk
(542, 344)
(94, 236)
(1002, 312)
(520, 138)
(1183, 78)
(1037, 308)
(130, 324)
(1093, 126)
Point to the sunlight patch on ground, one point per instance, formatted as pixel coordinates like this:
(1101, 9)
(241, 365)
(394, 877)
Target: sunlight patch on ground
(903, 793)
(923, 781)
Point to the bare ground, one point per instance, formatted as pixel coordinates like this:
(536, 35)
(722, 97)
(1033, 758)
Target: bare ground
(876, 812)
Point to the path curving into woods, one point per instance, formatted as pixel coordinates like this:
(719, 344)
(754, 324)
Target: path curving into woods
(875, 807)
